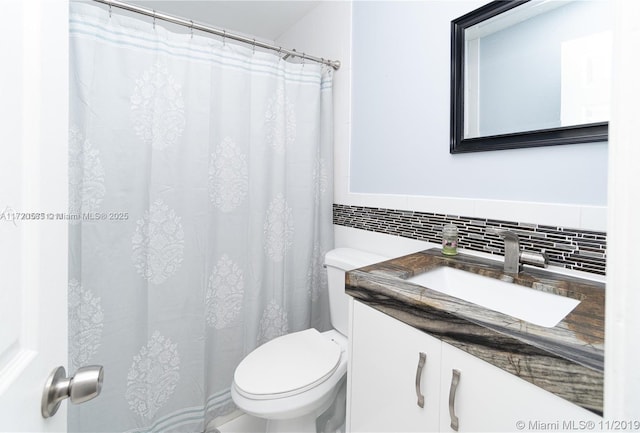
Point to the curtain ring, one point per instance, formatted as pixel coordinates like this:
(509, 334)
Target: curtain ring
(254, 45)
(109, 11)
(154, 19)
(224, 38)
(279, 54)
(303, 58)
(191, 27)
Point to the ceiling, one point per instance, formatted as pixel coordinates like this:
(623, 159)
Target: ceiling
(265, 20)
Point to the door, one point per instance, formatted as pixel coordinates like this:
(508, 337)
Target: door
(392, 366)
(488, 399)
(33, 201)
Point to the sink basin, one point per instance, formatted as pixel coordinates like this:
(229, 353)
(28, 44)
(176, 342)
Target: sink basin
(534, 306)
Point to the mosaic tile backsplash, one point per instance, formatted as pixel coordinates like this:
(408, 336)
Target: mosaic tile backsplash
(581, 250)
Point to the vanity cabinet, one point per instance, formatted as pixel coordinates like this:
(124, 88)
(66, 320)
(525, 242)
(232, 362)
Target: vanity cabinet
(382, 392)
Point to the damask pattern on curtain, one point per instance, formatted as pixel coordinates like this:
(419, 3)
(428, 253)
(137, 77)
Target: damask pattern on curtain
(201, 177)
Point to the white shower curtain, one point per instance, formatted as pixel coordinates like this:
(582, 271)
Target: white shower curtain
(200, 203)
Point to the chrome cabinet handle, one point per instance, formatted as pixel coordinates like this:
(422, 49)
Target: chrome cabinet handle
(421, 361)
(455, 380)
(82, 386)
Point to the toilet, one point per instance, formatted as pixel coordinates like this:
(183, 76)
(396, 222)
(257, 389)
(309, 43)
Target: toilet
(293, 379)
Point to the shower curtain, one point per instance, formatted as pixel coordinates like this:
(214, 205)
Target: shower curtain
(200, 212)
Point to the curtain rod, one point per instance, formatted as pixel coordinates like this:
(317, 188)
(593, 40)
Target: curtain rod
(335, 64)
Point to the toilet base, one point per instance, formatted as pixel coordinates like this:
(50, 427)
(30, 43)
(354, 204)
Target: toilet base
(302, 424)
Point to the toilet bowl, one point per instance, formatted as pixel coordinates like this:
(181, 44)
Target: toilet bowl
(293, 379)
(289, 389)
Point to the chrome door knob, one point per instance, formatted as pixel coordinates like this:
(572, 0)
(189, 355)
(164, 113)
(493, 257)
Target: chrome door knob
(82, 386)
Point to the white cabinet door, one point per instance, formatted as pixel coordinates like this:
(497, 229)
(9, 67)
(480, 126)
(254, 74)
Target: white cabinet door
(33, 180)
(382, 377)
(492, 400)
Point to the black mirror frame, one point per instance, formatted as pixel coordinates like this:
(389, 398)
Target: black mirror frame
(586, 133)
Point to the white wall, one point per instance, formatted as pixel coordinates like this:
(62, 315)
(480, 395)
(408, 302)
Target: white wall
(622, 333)
(326, 32)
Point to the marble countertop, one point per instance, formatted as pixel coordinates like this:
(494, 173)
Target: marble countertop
(567, 360)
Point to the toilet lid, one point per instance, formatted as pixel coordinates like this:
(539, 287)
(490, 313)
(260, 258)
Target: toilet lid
(287, 365)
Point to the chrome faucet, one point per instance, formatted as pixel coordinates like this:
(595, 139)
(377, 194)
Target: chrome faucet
(513, 257)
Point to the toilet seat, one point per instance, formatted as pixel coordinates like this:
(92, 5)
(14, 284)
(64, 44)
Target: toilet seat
(287, 365)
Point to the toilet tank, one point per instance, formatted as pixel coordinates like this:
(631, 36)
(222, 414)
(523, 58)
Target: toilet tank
(338, 261)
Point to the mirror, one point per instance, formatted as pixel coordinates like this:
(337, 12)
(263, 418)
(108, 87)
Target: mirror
(530, 73)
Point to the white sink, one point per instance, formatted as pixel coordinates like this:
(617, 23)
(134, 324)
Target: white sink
(534, 306)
